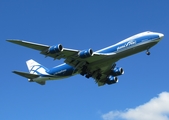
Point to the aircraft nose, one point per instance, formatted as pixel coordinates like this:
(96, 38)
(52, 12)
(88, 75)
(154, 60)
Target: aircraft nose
(161, 35)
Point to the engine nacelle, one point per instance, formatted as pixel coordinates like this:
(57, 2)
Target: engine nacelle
(85, 53)
(117, 71)
(55, 49)
(111, 80)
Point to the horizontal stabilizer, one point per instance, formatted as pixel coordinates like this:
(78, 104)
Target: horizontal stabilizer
(27, 75)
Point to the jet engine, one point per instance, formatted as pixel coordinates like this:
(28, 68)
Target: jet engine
(85, 53)
(111, 80)
(117, 71)
(55, 49)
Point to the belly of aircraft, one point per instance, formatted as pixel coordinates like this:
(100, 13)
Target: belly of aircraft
(40, 79)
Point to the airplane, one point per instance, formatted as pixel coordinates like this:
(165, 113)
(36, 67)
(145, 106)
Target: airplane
(100, 65)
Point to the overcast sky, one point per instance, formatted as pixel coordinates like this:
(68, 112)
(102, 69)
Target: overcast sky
(142, 93)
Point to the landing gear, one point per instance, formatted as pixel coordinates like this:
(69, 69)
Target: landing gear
(98, 76)
(84, 69)
(82, 73)
(85, 73)
(148, 53)
(88, 76)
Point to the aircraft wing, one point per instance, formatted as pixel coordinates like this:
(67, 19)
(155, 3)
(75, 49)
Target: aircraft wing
(44, 48)
(66, 54)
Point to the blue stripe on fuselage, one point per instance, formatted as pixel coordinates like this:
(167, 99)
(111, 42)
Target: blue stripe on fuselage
(129, 43)
(62, 70)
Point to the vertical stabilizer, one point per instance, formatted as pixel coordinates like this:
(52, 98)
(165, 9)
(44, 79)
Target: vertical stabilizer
(36, 68)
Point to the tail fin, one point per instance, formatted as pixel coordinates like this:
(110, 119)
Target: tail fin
(36, 68)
